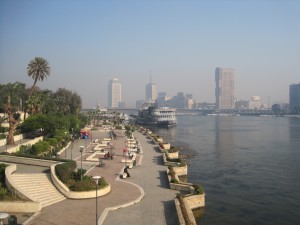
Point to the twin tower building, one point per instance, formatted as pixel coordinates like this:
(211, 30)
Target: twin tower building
(224, 91)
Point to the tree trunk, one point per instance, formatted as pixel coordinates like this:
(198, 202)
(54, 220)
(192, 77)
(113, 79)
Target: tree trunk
(12, 123)
(12, 126)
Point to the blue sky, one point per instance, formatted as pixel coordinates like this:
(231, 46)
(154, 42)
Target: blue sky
(180, 42)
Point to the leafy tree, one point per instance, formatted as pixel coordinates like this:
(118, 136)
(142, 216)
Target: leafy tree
(34, 123)
(67, 102)
(38, 69)
(17, 93)
(34, 104)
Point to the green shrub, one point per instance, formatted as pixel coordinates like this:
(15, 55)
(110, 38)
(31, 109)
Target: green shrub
(25, 149)
(174, 180)
(173, 149)
(198, 189)
(40, 147)
(65, 171)
(88, 184)
(51, 141)
(3, 192)
(2, 173)
(58, 138)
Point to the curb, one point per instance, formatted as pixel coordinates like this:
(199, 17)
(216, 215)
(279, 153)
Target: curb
(106, 210)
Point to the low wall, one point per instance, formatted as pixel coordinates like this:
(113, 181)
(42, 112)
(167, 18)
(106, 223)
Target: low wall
(190, 213)
(13, 149)
(181, 170)
(16, 138)
(173, 155)
(186, 187)
(168, 163)
(29, 161)
(179, 212)
(75, 194)
(195, 201)
(20, 207)
(27, 205)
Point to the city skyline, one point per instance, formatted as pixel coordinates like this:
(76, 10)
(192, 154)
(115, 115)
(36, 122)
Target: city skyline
(180, 42)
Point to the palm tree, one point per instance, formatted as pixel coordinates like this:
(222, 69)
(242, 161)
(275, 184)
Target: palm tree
(38, 68)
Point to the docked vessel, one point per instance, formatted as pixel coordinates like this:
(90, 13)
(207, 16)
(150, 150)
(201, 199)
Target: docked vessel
(157, 116)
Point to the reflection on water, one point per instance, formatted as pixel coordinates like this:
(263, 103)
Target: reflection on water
(224, 138)
(249, 167)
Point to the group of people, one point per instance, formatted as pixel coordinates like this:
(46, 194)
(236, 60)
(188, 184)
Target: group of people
(108, 155)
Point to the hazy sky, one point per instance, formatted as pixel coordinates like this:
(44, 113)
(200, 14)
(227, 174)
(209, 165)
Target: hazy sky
(180, 42)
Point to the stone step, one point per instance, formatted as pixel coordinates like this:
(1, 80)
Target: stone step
(39, 187)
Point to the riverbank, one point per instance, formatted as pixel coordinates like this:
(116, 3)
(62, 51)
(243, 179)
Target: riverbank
(146, 191)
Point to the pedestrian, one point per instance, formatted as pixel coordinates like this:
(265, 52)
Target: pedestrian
(126, 171)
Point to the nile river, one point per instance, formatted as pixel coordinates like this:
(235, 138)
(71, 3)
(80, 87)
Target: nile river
(249, 167)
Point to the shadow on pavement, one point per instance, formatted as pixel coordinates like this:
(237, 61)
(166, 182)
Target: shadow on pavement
(170, 213)
(164, 183)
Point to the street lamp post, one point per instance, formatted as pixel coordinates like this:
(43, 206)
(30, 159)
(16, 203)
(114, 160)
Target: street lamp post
(6, 135)
(81, 150)
(96, 178)
(72, 139)
(66, 144)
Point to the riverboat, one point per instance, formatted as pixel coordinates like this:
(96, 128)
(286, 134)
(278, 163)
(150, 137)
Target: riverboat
(157, 116)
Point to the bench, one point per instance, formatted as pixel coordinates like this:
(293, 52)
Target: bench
(123, 176)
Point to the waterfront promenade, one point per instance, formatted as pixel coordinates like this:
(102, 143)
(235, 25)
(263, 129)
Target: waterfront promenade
(143, 198)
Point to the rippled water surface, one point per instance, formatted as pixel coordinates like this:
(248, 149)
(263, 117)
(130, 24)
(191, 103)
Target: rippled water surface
(249, 167)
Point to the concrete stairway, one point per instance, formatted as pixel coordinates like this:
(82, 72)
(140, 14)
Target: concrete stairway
(38, 187)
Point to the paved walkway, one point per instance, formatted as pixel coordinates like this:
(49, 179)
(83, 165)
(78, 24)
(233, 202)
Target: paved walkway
(157, 207)
(144, 198)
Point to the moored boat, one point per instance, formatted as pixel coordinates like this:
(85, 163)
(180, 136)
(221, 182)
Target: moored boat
(157, 116)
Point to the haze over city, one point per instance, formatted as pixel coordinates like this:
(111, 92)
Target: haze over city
(180, 43)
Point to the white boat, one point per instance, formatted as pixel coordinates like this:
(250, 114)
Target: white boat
(157, 116)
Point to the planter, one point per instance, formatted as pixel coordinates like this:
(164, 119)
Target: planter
(166, 146)
(173, 155)
(76, 194)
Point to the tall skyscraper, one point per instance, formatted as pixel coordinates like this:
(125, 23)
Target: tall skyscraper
(295, 98)
(151, 91)
(224, 91)
(114, 93)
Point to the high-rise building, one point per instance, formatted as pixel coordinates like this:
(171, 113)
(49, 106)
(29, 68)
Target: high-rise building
(224, 91)
(151, 91)
(254, 103)
(295, 98)
(114, 93)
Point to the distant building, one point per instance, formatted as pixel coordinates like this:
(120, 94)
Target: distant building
(241, 104)
(255, 103)
(180, 101)
(295, 98)
(114, 93)
(139, 103)
(151, 91)
(224, 78)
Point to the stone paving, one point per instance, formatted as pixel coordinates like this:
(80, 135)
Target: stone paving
(143, 198)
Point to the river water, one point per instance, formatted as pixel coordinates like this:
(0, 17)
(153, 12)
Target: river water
(249, 167)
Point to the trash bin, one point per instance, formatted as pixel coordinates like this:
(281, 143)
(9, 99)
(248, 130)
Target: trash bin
(12, 220)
